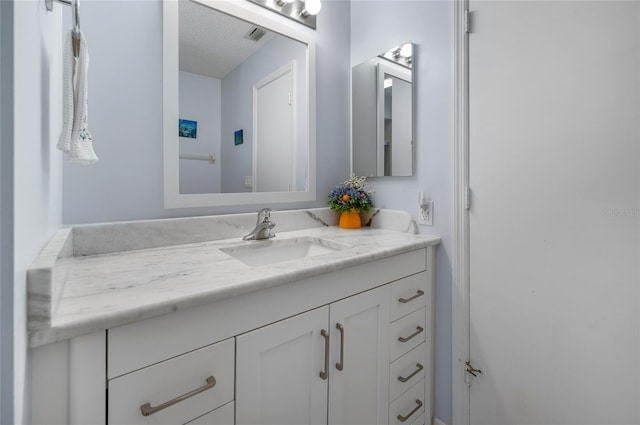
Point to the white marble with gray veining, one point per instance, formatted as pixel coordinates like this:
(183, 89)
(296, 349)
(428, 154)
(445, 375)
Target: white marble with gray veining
(124, 272)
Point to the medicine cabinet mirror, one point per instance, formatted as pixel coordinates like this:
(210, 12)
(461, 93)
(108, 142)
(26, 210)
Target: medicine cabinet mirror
(239, 106)
(382, 114)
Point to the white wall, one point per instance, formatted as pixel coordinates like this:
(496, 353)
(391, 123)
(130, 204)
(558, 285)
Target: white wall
(376, 27)
(200, 99)
(125, 92)
(37, 165)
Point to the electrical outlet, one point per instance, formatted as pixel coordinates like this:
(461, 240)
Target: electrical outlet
(248, 181)
(425, 213)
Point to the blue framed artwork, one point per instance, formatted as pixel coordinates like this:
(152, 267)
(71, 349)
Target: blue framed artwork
(237, 137)
(188, 129)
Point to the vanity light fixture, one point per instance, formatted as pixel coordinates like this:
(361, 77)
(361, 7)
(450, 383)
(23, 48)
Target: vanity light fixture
(406, 50)
(302, 11)
(402, 55)
(311, 7)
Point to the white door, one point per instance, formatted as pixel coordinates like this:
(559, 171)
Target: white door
(278, 372)
(359, 362)
(273, 133)
(554, 219)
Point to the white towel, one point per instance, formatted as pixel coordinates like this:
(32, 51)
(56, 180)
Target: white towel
(75, 138)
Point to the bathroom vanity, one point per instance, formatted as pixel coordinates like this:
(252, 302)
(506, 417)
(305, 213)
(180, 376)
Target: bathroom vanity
(179, 321)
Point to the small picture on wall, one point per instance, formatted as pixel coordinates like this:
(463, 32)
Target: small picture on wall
(188, 129)
(237, 137)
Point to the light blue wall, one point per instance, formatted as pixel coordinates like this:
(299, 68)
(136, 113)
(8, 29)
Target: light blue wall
(6, 212)
(376, 27)
(125, 114)
(200, 100)
(36, 178)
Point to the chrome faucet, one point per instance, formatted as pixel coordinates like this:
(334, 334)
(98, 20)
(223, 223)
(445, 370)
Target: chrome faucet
(263, 226)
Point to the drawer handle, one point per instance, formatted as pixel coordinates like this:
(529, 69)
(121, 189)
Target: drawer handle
(340, 364)
(404, 418)
(414, 373)
(418, 331)
(417, 295)
(148, 410)
(325, 335)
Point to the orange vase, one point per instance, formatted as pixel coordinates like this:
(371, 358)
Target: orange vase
(350, 220)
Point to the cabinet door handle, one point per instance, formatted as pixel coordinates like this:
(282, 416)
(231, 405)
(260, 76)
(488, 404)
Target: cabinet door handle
(325, 335)
(419, 367)
(418, 331)
(415, 409)
(340, 364)
(417, 295)
(148, 410)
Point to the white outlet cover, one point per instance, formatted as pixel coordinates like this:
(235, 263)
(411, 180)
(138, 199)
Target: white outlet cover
(425, 213)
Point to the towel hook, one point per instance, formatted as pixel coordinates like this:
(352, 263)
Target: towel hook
(75, 6)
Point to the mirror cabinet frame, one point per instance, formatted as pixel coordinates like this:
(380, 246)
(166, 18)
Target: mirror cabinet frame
(170, 63)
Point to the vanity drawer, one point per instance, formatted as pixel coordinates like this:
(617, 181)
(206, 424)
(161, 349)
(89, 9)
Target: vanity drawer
(185, 379)
(409, 406)
(406, 333)
(408, 295)
(407, 370)
(224, 415)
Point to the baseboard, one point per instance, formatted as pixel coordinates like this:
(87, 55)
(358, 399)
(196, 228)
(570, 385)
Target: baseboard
(437, 421)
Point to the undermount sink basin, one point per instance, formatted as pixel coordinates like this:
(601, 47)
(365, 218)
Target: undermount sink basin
(261, 253)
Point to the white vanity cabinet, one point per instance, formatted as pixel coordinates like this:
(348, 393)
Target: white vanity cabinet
(284, 370)
(177, 390)
(327, 349)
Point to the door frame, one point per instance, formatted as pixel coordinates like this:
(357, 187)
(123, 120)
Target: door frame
(461, 203)
(287, 68)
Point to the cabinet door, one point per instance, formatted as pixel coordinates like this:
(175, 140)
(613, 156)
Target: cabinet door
(359, 372)
(278, 372)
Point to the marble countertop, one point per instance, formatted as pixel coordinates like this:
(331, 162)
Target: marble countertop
(100, 291)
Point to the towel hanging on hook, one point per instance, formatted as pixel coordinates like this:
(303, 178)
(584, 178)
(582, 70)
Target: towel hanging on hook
(75, 9)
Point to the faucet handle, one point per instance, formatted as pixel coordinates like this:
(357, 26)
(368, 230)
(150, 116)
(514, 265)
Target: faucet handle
(264, 215)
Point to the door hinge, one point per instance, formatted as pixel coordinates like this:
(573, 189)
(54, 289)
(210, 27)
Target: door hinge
(472, 370)
(467, 21)
(467, 198)
(290, 99)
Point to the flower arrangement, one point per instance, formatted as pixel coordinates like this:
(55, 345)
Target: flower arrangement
(350, 196)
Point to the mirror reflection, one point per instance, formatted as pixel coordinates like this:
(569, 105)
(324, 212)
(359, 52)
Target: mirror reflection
(243, 123)
(382, 114)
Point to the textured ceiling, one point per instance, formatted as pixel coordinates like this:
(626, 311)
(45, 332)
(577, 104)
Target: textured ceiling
(211, 42)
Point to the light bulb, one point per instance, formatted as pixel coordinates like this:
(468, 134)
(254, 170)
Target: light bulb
(406, 50)
(312, 6)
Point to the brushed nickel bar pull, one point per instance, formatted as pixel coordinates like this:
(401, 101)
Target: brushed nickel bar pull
(148, 410)
(340, 364)
(419, 330)
(414, 373)
(324, 373)
(404, 418)
(417, 295)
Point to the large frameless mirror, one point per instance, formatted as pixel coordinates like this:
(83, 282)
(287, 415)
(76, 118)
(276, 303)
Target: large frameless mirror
(382, 114)
(239, 116)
